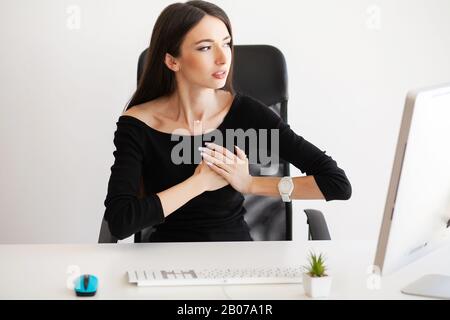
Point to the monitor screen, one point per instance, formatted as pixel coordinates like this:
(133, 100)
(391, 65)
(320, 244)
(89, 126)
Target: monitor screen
(417, 211)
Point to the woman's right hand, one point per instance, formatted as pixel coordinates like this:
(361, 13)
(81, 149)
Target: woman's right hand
(209, 180)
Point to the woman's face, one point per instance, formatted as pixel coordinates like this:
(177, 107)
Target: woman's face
(206, 49)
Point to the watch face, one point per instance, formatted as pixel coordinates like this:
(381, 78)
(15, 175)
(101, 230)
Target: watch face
(285, 187)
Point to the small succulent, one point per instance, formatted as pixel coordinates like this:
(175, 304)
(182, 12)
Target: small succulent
(316, 267)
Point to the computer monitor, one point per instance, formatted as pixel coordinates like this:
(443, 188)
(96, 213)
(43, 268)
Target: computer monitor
(416, 217)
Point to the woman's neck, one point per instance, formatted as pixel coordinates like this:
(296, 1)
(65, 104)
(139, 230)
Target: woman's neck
(190, 107)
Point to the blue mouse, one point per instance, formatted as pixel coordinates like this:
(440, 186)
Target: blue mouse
(86, 285)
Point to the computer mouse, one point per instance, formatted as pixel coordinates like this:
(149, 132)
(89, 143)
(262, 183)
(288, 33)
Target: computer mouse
(86, 285)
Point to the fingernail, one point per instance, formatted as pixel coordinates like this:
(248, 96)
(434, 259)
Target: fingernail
(201, 148)
(208, 163)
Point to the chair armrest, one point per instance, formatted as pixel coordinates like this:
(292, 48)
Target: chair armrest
(318, 229)
(105, 235)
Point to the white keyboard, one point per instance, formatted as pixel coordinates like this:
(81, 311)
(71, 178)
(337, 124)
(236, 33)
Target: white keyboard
(153, 277)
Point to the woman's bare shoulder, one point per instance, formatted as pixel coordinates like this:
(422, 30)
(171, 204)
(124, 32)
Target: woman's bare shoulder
(145, 112)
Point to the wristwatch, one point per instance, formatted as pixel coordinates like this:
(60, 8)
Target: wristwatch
(285, 187)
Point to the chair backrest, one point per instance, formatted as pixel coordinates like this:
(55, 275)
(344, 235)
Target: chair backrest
(260, 72)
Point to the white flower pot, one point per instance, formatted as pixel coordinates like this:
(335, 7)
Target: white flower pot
(316, 287)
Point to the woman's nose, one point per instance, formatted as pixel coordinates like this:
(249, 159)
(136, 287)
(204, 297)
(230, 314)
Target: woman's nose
(221, 57)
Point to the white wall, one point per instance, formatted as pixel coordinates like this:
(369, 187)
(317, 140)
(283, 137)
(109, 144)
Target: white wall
(62, 90)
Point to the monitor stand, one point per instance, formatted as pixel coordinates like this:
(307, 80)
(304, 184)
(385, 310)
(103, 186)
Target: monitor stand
(431, 285)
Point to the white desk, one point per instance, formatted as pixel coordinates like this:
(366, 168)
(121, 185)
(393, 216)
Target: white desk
(41, 271)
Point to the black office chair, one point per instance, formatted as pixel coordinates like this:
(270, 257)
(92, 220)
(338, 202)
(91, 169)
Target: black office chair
(260, 72)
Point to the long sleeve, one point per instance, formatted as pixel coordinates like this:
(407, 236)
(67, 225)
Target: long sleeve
(125, 213)
(331, 180)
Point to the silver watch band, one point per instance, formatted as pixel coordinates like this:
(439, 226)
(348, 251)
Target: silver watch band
(285, 198)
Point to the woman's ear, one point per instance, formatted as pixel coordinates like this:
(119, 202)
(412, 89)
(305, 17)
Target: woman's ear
(171, 63)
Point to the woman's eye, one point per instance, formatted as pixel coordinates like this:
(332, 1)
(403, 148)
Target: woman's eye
(208, 47)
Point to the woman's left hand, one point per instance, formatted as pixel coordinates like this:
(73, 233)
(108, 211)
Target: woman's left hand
(234, 168)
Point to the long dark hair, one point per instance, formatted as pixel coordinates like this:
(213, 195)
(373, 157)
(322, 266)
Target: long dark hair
(169, 31)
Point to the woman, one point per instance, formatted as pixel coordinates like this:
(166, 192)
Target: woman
(186, 87)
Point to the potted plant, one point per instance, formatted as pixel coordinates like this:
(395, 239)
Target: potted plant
(316, 282)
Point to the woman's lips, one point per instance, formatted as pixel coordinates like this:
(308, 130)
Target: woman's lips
(220, 75)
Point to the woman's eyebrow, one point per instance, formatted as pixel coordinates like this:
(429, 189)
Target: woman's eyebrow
(210, 40)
